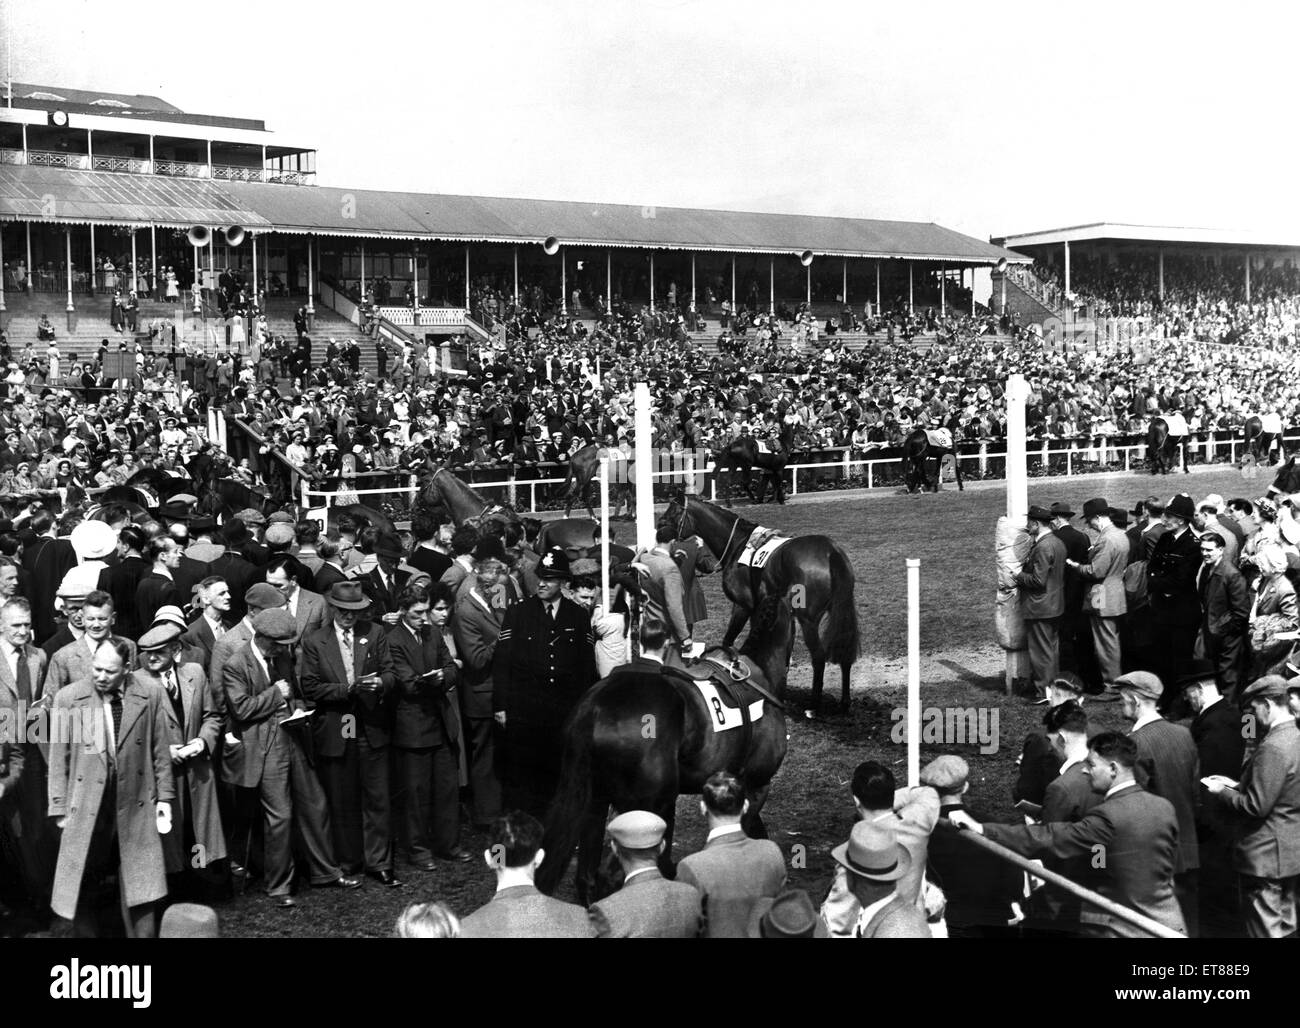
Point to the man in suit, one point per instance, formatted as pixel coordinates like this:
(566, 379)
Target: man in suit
(347, 670)
(29, 841)
(874, 861)
(426, 732)
(545, 660)
(307, 608)
(113, 799)
(198, 841)
(463, 542)
(120, 580)
(1225, 603)
(263, 757)
(693, 559)
(1076, 641)
(476, 626)
(978, 887)
(1102, 575)
(385, 581)
(648, 906)
(72, 663)
(911, 813)
(1168, 767)
(1265, 806)
(518, 910)
(331, 570)
(1172, 592)
(664, 593)
(159, 587)
(732, 871)
(214, 619)
(232, 566)
(1218, 729)
(1042, 598)
(1138, 833)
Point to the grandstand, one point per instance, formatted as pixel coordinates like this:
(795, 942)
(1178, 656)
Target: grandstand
(98, 191)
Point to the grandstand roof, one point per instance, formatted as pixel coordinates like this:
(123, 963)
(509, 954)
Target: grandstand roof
(125, 105)
(1116, 231)
(125, 199)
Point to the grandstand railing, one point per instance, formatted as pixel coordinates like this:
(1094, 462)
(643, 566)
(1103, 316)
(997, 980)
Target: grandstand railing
(849, 470)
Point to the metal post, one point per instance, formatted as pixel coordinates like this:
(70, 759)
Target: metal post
(878, 308)
(943, 292)
(210, 158)
(252, 243)
(1160, 264)
(972, 292)
(564, 282)
(198, 281)
(913, 671)
(516, 276)
(652, 281)
(311, 281)
(609, 282)
(604, 533)
(151, 158)
(153, 258)
(645, 510)
(68, 235)
(771, 285)
(1017, 661)
(90, 152)
(692, 283)
(1067, 268)
(91, 269)
(363, 272)
(135, 285)
(911, 307)
(844, 288)
(734, 312)
(466, 279)
(1247, 278)
(2, 278)
(30, 270)
(807, 288)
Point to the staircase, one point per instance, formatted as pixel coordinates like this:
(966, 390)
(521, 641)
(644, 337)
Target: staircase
(1031, 309)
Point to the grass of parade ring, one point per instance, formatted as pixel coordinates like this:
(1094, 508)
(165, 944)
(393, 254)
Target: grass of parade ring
(809, 810)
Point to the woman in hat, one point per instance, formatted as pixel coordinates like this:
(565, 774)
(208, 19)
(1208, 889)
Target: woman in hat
(1274, 608)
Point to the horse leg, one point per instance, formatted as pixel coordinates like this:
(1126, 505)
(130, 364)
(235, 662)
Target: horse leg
(846, 672)
(587, 877)
(778, 483)
(586, 499)
(752, 820)
(739, 615)
(956, 466)
(816, 654)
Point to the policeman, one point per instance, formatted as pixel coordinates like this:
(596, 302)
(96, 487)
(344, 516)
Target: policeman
(545, 660)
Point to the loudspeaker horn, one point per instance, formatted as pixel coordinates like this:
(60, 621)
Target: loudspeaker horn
(198, 235)
(806, 257)
(234, 235)
(551, 246)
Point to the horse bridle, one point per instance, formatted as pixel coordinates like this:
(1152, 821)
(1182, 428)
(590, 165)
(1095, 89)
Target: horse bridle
(681, 525)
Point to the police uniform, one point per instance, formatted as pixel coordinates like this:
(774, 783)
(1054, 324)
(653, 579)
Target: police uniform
(542, 666)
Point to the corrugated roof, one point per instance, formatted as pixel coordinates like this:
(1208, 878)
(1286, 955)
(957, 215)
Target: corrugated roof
(78, 197)
(87, 97)
(142, 199)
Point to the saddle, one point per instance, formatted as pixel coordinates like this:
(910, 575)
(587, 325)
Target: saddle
(716, 679)
(762, 543)
(939, 438)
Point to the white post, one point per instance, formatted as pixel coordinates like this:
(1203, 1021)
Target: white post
(609, 282)
(807, 280)
(198, 279)
(1248, 278)
(252, 245)
(844, 288)
(1160, 264)
(652, 281)
(30, 270)
(90, 270)
(911, 307)
(692, 283)
(68, 235)
(972, 292)
(771, 285)
(2, 280)
(153, 258)
(1067, 268)
(311, 277)
(516, 276)
(564, 282)
(604, 533)
(913, 671)
(878, 308)
(645, 505)
(135, 286)
(943, 291)
(734, 312)
(212, 425)
(363, 272)
(1017, 661)
(466, 279)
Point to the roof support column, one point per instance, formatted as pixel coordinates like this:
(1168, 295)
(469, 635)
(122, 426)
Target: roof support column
(609, 282)
(771, 285)
(943, 290)
(363, 272)
(516, 276)
(564, 282)
(25, 159)
(212, 264)
(197, 290)
(209, 158)
(415, 283)
(90, 152)
(734, 312)
(135, 263)
(262, 177)
(652, 281)
(1247, 263)
(692, 283)
(311, 283)
(153, 259)
(90, 270)
(151, 168)
(30, 270)
(67, 233)
(972, 292)
(911, 306)
(844, 274)
(466, 276)
(1067, 268)
(2, 278)
(1160, 268)
(877, 311)
(807, 286)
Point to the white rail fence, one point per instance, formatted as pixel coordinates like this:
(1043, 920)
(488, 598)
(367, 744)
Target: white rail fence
(1076, 458)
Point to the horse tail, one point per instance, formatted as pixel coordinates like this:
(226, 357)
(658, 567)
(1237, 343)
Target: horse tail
(842, 638)
(568, 809)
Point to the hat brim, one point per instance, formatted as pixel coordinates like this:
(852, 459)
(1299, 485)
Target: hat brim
(349, 604)
(902, 864)
(559, 576)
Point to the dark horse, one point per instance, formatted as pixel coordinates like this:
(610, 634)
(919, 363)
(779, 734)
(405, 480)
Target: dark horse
(918, 451)
(442, 489)
(611, 761)
(811, 570)
(1287, 482)
(743, 454)
(584, 467)
(1163, 449)
(1259, 443)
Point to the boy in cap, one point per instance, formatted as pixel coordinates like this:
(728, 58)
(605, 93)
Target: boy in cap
(1042, 597)
(1266, 805)
(648, 906)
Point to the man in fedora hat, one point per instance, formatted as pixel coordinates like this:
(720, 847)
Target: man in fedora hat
(347, 670)
(1218, 729)
(1265, 807)
(790, 915)
(648, 906)
(1172, 592)
(1102, 574)
(385, 581)
(1076, 640)
(874, 861)
(545, 660)
(1042, 597)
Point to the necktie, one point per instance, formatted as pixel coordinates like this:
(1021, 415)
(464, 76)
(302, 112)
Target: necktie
(171, 685)
(116, 705)
(23, 677)
(348, 656)
(550, 614)
(218, 630)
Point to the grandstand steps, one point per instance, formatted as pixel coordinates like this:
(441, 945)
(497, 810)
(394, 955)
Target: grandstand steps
(1032, 310)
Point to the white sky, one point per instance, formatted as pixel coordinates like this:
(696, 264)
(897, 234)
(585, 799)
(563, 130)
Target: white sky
(988, 117)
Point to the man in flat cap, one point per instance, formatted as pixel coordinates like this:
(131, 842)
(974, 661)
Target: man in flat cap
(1265, 805)
(1168, 766)
(1042, 598)
(1102, 574)
(648, 906)
(260, 697)
(199, 840)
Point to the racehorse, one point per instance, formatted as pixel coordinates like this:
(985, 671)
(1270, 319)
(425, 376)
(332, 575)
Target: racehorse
(1259, 443)
(611, 761)
(1287, 482)
(584, 466)
(1163, 449)
(918, 450)
(743, 453)
(441, 488)
(363, 516)
(811, 570)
